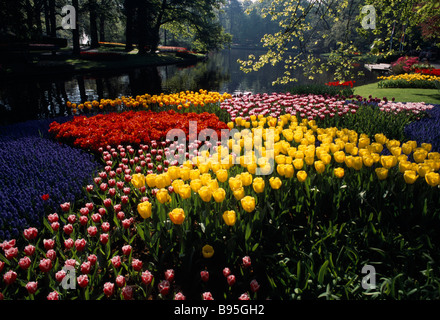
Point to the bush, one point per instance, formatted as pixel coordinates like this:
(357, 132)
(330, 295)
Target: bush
(404, 64)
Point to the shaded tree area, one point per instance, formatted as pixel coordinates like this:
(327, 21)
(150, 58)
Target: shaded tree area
(135, 22)
(308, 28)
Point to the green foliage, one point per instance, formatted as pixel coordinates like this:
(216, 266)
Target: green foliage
(320, 89)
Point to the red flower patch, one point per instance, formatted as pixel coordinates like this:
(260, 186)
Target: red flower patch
(130, 127)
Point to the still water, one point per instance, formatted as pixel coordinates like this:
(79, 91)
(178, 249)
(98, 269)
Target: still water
(39, 97)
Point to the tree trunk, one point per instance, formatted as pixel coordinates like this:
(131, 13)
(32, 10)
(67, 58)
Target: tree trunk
(75, 32)
(94, 42)
(142, 29)
(52, 18)
(129, 11)
(102, 28)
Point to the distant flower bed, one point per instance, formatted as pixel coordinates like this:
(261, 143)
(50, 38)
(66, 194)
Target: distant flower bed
(396, 107)
(409, 80)
(276, 104)
(341, 84)
(184, 100)
(432, 72)
(129, 127)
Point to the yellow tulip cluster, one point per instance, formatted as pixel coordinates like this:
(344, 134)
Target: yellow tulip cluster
(183, 99)
(292, 149)
(410, 77)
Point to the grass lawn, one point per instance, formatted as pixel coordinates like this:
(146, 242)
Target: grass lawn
(400, 94)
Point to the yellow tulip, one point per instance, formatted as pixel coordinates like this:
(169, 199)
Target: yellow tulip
(138, 180)
(423, 169)
(205, 193)
(388, 161)
(163, 196)
(248, 203)
(161, 181)
(144, 209)
(184, 191)
(246, 178)
(239, 193)
(380, 138)
(426, 146)
(176, 185)
(382, 173)
(196, 185)
(289, 171)
(280, 159)
(258, 185)
(404, 166)
(339, 172)
(205, 178)
(222, 175)
(213, 185)
(235, 183)
(207, 251)
(229, 217)
(357, 163)
(410, 176)
(407, 148)
(298, 163)
(363, 142)
(368, 160)
(266, 169)
(252, 168)
(396, 151)
(174, 172)
(219, 195)
(376, 147)
(339, 156)
(151, 180)
(275, 183)
(432, 178)
(325, 158)
(301, 175)
(177, 216)
(185, 173)
(193, 174)
(319, 166)
(420, 155)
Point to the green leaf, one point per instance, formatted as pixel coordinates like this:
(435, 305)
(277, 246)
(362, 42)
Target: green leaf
(248, 231)
(140, 232)
(322, 272)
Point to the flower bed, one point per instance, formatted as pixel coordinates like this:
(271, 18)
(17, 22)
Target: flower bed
(409, 80)
(177, 101)
(129, 127)
(276, 104)
(427, 129)
(432, 72)
(210, 230)
(37, 174)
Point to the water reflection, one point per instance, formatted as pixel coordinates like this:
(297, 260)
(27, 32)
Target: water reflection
(46, 96)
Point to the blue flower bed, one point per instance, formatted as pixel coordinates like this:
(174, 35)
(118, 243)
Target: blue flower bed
(426, 129)
(33, 166)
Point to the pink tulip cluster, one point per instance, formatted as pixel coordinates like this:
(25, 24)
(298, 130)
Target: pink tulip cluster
(74, 236)
(396, 107)
(275, 104)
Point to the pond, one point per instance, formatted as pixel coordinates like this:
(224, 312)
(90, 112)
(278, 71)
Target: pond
(30, 98)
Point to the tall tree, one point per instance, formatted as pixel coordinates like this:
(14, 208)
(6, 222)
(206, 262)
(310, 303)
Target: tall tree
(150, 15)
(93, 15)
(75, 32)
